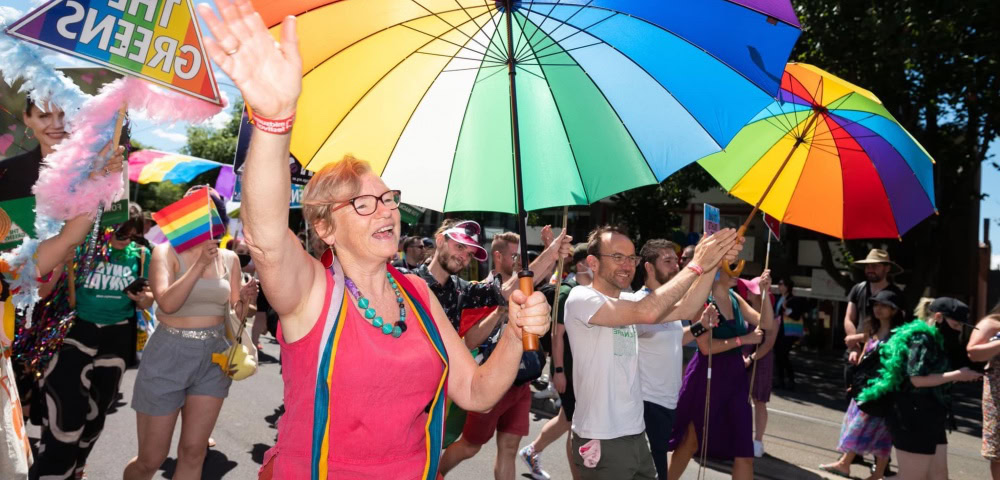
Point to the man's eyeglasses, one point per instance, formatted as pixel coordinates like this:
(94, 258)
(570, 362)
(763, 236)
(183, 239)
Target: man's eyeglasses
(366, 204)
(122, 236)
(621, 259)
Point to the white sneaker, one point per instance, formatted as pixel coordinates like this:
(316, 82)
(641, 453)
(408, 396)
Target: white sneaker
(758, 448)
(527, 454)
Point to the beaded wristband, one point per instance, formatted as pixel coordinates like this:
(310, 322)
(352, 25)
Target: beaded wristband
(277, 127)
(696, 269)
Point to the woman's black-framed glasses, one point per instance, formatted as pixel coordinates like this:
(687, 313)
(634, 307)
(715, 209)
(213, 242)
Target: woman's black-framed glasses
(366, 204)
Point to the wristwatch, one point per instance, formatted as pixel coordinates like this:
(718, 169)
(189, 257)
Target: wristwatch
(559, 370)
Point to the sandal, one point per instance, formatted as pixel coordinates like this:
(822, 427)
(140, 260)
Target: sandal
(830, 468)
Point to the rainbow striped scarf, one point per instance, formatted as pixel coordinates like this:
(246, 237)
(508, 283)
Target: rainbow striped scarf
(331, 337)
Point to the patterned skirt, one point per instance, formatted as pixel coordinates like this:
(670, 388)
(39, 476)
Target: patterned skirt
(864, 434)
(991, 411)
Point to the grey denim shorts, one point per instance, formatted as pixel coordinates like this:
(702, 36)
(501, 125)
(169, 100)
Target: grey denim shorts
(177, 363)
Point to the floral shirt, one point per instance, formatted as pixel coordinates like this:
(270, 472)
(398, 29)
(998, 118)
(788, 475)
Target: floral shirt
(927, 356)
(457, 294)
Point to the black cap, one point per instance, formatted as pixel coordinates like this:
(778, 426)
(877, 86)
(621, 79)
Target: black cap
(887, 297)
(428, 243)
(951, 308)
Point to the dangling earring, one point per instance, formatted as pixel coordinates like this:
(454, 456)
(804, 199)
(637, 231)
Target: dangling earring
(327, 258)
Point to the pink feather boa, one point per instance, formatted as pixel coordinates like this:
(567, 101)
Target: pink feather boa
(64, 189)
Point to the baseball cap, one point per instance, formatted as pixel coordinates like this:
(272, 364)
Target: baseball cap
(951, 308)
(467, 233)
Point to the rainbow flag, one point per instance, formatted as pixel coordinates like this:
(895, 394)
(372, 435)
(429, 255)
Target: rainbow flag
(190, 221)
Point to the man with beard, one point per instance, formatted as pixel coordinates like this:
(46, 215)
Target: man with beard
(877, 267)
(601, 322)
(509, 418)
(661, 355)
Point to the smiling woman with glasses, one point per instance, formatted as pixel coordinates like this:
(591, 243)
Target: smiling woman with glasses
(372, 405)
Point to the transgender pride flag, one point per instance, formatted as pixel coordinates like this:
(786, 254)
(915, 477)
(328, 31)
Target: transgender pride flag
(190, 221)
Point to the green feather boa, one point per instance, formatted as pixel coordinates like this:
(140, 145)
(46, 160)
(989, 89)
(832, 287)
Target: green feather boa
(895, 354)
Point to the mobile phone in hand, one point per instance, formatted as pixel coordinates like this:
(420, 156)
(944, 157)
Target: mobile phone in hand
(136, 286)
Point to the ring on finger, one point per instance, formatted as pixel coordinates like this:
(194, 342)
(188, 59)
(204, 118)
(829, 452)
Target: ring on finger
(234, 50)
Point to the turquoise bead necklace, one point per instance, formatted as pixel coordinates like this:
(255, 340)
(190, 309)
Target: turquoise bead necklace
(378, 322)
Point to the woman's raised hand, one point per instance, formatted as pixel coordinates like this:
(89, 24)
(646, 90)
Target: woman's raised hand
(268, 73)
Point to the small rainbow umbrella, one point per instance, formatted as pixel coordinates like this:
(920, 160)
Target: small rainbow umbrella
(829, 157)
(151, 166)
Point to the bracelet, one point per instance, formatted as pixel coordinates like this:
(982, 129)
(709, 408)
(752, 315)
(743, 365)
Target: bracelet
(560, 370)
(696, 269)
(739, 342)
(698, 330)
(277, 127)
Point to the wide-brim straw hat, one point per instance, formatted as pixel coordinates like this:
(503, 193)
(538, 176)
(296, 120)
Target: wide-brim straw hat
(877, 255)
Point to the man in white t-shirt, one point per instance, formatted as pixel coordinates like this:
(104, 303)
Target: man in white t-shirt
(661, 352)
(600, 321)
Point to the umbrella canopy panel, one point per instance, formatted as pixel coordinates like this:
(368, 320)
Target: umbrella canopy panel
(856, 174)
(612, 95)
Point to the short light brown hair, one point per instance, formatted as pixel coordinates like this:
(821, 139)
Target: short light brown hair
(594, 239)
(335, 183)
(446, 224)
(501, 240)
(653, 248)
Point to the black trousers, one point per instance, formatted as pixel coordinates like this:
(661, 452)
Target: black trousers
(783, 368)
(79, 387)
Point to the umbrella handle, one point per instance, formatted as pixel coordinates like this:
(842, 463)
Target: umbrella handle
(526, 283)
(735, 272)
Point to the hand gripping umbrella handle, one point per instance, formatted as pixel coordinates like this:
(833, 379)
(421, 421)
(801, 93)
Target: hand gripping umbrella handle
(735, 272)
(526, 283)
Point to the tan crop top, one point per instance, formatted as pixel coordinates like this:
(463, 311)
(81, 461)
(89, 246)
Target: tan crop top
(210, 296)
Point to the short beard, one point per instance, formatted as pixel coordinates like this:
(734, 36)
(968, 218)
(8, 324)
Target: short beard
(449, 262)
(874, 277)
(663, 279)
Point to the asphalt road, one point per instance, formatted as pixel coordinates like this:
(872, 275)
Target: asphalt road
(802, 432)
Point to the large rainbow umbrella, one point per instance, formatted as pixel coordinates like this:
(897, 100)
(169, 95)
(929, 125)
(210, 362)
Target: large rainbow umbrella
(610, 94)
(829, 157)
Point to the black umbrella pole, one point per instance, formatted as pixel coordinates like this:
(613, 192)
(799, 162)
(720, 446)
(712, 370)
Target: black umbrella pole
(526, 281)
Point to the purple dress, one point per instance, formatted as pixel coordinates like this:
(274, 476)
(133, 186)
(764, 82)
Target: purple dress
(765, 371)
(730, 424)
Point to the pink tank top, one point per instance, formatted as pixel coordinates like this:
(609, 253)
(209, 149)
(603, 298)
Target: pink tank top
(381, 390)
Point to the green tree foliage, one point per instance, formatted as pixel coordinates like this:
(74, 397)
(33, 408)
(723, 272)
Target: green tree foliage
(649, 212)
(215, 144)
(935, 66)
